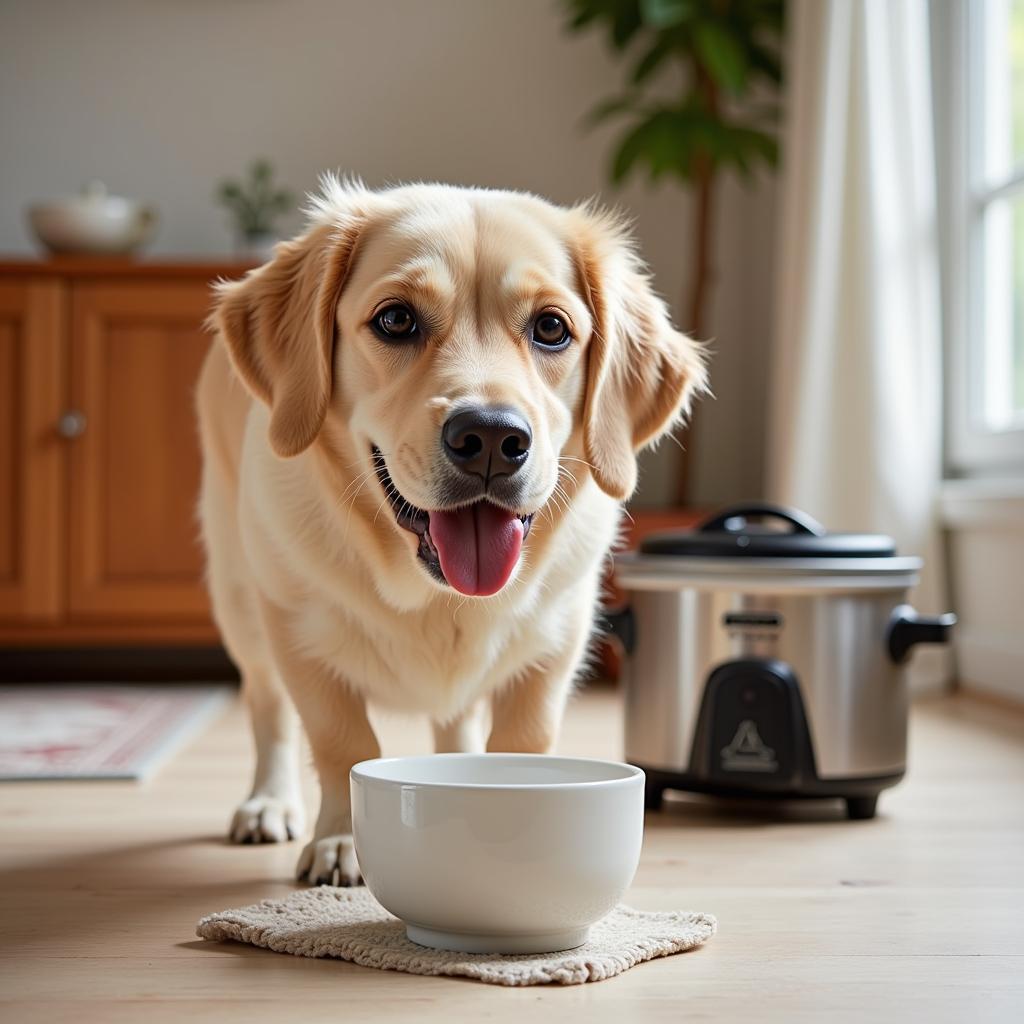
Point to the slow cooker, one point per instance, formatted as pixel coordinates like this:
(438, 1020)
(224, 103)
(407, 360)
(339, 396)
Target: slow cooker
(766, 656)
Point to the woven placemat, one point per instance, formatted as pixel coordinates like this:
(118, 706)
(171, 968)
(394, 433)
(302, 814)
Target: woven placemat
(349, 924)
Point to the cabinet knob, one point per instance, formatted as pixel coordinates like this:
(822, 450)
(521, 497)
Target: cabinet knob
(71, 424)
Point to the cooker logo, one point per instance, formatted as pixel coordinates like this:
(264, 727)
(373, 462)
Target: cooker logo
(748, 752)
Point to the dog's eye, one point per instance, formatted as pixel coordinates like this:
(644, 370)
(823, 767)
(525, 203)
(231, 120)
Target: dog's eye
(397, 322)
(551, 331)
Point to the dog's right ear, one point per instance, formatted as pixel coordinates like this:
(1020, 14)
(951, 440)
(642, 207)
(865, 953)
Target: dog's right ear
(278, 324)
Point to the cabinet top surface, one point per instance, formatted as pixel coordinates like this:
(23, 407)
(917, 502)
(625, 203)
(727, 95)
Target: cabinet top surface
(204, 267)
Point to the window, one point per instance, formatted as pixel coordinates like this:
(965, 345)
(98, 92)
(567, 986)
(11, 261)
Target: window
(985, 271)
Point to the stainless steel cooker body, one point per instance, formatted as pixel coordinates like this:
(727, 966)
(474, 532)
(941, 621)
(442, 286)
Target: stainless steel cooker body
(769, 676)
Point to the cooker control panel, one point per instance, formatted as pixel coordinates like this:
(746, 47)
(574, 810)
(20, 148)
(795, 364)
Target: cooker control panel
(752, 727)
(753, 633)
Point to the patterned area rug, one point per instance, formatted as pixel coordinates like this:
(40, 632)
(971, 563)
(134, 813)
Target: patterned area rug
(99, 732)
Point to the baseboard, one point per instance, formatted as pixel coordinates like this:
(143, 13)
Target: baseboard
(991, 662)
(1013, 705)
(115, 664)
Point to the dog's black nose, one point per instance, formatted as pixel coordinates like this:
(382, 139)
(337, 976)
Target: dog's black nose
(487, 441)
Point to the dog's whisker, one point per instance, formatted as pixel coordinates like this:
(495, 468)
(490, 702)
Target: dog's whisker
(558, 505)
(386, 501)
(353, 485)
(563, 497)
(356, 487)
(352, 465)
(572, 458)
(348, 514)
(356, 484)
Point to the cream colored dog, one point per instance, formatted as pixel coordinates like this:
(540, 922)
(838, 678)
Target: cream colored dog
(419, 420)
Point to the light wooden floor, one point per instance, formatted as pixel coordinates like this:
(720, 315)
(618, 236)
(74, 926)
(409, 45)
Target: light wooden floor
(916, 916)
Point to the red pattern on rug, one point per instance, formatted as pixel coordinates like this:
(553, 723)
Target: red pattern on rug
(55, 731)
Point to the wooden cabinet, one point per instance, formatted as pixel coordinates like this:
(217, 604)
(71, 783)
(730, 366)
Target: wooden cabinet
(99, 453)
(32, 479)
(135, 356)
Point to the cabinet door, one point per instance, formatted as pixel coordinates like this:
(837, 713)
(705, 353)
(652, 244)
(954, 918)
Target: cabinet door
(136, 352)
(31, 451)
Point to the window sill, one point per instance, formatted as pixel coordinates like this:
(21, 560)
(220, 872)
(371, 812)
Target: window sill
(992, 503)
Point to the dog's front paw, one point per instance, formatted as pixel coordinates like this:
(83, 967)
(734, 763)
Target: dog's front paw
(330, 861)
(267, 819)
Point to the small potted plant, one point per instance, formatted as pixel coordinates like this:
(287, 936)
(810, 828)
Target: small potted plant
(254, 204)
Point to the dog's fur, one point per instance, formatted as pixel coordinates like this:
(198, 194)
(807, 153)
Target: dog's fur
(315, 586)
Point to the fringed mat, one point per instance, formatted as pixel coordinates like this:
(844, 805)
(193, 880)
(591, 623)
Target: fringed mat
(349, 924)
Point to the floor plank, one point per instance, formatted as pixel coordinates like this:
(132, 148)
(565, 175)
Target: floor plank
(918, 915)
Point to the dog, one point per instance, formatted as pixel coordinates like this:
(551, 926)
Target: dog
(419, 421)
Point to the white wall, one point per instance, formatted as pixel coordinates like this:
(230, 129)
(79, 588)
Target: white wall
(162, 98)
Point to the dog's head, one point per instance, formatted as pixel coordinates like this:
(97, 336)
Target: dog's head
(474, 346)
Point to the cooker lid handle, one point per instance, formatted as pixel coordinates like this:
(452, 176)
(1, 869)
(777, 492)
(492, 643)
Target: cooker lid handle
(907, 628)
(734, 518)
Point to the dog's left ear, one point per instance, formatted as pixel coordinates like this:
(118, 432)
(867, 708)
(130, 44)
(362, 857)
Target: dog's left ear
(278, 324)
(641, 372)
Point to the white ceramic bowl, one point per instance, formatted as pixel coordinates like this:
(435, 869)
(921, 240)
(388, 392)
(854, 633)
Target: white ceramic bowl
(92, 222)
(497, 853)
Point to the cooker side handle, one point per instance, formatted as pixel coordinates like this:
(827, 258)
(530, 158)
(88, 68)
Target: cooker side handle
(621, 624)
(907, 628)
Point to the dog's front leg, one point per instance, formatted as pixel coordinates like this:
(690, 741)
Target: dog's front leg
(340, 735)
(460, 734)
(526, 714)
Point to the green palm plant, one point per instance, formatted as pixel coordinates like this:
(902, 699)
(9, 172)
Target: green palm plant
(726, 54)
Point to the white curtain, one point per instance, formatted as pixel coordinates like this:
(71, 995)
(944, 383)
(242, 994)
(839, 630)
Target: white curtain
(855, 432)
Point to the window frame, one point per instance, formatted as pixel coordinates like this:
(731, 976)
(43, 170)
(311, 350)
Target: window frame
(971, 447)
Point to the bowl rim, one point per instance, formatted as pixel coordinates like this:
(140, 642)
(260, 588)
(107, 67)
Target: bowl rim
(363, 772)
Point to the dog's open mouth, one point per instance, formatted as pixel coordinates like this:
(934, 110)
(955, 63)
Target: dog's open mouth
(473, 548)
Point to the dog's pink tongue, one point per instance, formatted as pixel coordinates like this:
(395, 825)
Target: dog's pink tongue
(478, 546)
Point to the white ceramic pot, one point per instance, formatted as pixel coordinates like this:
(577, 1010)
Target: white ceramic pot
(93, 222)
(497, 853)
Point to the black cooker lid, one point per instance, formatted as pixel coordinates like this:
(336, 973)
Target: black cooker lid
(730, 534)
